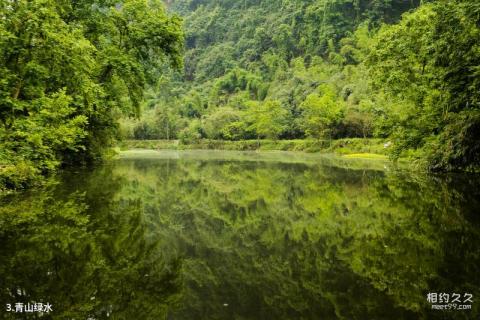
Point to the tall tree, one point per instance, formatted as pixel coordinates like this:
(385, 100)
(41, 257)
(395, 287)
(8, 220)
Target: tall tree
(429, 64)
(68, 69)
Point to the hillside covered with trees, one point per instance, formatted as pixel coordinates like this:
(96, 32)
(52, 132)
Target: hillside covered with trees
(402, 70)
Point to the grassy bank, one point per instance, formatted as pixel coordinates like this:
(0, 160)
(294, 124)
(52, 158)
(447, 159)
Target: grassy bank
(369, 148)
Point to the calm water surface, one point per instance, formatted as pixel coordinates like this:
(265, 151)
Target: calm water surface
(218, 235)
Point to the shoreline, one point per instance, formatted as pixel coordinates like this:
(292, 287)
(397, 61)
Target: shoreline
(349, 148)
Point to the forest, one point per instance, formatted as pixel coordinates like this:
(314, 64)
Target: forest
(240, 159)
(404, 71)
(77, 76)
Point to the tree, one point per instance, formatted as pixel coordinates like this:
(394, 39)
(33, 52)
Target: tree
(321, 112)
(218, 124)
(69, 69)
(429, 62)
(268, 119)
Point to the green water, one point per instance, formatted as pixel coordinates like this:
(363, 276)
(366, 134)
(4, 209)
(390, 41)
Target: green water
(217, 235)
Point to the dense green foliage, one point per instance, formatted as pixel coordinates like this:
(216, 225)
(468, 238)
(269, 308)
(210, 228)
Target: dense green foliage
(429, 66)
(403, 71)
(271, 237)
(68, 69)
(322, 69)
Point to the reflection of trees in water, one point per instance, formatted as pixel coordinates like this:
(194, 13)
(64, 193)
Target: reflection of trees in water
(276, 241)
(269, 240)
(89, 254)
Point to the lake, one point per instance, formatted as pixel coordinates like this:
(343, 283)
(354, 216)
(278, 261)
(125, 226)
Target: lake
(230, 235)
